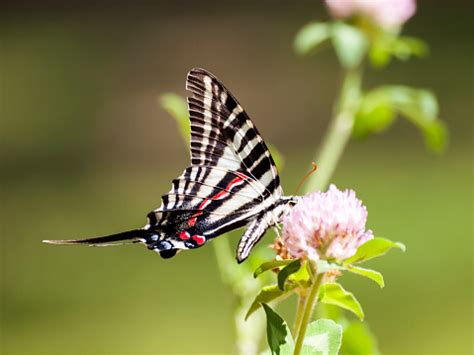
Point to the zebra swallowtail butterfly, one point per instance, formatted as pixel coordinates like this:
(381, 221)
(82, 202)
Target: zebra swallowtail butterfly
(232, 181)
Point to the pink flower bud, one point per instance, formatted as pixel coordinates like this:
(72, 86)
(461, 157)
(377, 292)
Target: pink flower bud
(385, 13)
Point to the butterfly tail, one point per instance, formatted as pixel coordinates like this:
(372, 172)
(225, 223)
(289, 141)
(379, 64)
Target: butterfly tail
(131, 236)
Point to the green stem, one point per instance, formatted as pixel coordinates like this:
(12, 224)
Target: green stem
(225, 261)
(338, 133)
(299, 313)
(308, 312)
(334, 142)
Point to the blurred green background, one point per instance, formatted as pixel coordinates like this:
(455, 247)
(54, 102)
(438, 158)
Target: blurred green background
(86, 150)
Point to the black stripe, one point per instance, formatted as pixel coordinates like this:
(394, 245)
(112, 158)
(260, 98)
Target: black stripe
(249, 135)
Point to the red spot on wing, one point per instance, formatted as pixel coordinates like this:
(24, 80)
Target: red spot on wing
(184, 235)
(221, 194)
(199, 239)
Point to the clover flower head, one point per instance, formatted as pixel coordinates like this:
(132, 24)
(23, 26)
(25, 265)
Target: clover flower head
(385, 13)
(326, 225)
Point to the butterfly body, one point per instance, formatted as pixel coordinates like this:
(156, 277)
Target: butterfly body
(232, 180)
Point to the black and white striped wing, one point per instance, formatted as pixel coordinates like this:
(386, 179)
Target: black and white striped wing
(232, 178)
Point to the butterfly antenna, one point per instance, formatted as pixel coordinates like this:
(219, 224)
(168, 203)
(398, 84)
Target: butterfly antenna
(303, 180)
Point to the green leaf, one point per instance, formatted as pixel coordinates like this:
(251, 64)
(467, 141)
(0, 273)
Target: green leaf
(404, 47)
(323, 336)
(419, 106)
(268, 294)
(370, 274)
(301, 277)
(435, 136)
(380, 53)
(269, 265)
(277, 330)
(373, 248)
(176, 106)
(386, 45)
(310, 36)
(350, 44)
(335, 294)
(376, 113)
(323, 266)
(277, 156)
(289, 269)
(358, 340)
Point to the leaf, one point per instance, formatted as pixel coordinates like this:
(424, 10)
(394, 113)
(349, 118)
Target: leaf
(373, 248)
(376, 113)
(176, 106)
(404, 47)
(358, 340)
(335, 294)
(278, 333)
(436, 136)
(301, 277)
(370, 274)
(289, 269)
(323, 266)
(269, 265)
(350, 44)
(277, 156)
(386, 45)
(323, 336)
(310, 36)
(419, 106)
(268, 294)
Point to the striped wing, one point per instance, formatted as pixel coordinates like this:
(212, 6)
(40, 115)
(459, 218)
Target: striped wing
(232, 177)
(232, 180)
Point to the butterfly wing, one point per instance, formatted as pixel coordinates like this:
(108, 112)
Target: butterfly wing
(232, 180)
(232, 177)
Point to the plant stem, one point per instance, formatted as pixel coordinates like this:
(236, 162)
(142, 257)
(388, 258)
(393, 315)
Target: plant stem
(299, 313)
(338, 133)
(308, 312)
(225, 261)
(334, 142)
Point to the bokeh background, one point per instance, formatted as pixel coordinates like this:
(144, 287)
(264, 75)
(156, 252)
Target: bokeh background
(87, 150)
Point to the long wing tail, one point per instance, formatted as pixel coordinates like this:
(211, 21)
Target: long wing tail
(132, 236)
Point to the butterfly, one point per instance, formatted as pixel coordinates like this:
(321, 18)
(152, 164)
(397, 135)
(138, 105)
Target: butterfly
(232, 181)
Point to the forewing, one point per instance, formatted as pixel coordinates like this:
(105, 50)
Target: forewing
(223, 135)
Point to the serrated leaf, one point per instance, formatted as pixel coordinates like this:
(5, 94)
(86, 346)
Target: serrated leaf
(176, 106)
(323, 336)
(270, 265)
(358, 340)
(277, 330)
(370, 274)
(266, 295)
(310, 36)
(336, 295)
(373, 248)
(289, 269)
(350, 44)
